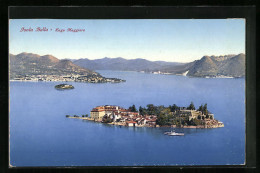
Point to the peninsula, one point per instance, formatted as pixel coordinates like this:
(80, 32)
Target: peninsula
(33, 67)
(154, 116)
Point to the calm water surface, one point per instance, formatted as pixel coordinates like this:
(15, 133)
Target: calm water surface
(40, 135)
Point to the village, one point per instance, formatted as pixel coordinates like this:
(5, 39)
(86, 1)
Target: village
(67, 78)
(182, 117)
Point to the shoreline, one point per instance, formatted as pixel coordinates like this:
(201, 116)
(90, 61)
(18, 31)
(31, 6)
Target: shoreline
(156, 126)
(13, 80)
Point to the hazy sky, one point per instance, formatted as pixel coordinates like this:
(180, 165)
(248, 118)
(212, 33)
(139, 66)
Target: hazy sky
(153, 39)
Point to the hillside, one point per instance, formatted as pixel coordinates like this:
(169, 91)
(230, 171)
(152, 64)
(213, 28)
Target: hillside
(33, 64)
(122, 64)
(229, 65)
(207, 66)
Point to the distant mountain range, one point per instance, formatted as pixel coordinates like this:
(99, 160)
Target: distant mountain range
(207, 66)
(121, 64)
(33, 64)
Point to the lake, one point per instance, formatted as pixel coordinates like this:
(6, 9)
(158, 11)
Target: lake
(41, 135)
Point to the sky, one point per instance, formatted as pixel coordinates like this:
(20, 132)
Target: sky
(175, 40)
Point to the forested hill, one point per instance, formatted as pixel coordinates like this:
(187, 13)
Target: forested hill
(121, 64)
(207, 66)
(33, 64)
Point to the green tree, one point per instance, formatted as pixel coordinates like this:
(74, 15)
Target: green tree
(67, 116)
(83, 115)
(205, 109)
(142, 111)
(165, 116)
(159, 109)
(151, 109)
(200, 108)
(191, 106)
(174, 108)
(133, 108)
(86, 115)
(162, 119)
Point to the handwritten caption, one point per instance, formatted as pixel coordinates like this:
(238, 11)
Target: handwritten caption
(45, 29)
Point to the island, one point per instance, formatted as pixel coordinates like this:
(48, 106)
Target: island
(64, 86)
(154, 116)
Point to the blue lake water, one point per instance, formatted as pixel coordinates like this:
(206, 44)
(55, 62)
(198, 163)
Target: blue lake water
(41, 135)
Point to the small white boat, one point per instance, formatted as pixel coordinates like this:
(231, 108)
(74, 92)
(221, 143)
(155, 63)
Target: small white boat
(166, 133)
(173, 133)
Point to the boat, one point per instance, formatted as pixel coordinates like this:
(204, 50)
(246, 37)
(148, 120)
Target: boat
(166, 133)
(173, 133)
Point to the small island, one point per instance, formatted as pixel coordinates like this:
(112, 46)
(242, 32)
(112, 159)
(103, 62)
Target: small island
(154, 116)
(64, 86)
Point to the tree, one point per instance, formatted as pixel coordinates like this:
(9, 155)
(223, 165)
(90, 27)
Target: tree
(159, 109)
(142, 111)
(151, 109)
(191, 106)
(205, 109)
(162, 119)
(86, 115)
(174, 108)
(83, 115)
(200, 108)
(133, 108)
(67, 116)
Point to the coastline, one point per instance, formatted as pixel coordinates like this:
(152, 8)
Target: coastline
(13, 80)
(116, 80)
(181, 74)
(156, 126)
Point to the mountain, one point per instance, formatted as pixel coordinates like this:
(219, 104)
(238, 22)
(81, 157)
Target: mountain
(177, 69)
(212, 66)
(207, 66)
(33, 64)
(234, 66)
(122, 64)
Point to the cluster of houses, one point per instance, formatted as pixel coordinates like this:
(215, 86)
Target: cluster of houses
(65, 78)
(121, 116)
(68, 78)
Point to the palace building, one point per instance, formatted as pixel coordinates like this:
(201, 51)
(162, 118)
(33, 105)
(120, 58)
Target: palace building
(114, 112)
